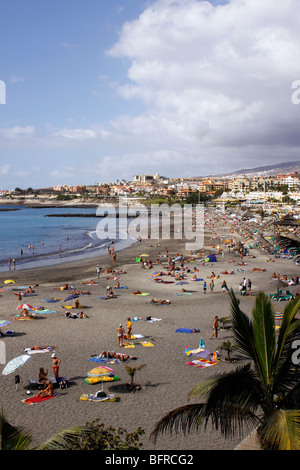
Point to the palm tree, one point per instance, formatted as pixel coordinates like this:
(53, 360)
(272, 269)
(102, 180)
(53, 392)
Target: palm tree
(229, 347)
(261, 393)
(131, 372)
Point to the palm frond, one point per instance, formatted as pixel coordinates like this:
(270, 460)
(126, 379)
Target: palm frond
(290, 327)
(232, 398)
(263, 324)
(183, 419)
(66, 439)
(281, 431)
(242, 328)
(13, 438)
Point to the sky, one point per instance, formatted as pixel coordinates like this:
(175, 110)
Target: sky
(101, 90)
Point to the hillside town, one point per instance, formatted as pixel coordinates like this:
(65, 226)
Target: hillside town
(272, 191)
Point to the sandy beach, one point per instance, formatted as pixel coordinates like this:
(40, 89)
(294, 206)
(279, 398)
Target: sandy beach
(167, 378)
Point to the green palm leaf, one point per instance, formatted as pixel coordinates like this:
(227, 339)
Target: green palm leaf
(281, 431)
(242, 328)
(67, 439)
(264, 337)
(232, 399)
(12, 438)
(183, 419)
(289, 326)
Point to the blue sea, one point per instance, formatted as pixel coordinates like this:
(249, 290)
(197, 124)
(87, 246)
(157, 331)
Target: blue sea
(56, 239)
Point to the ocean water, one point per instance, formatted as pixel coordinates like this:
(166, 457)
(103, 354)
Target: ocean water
(57, 239)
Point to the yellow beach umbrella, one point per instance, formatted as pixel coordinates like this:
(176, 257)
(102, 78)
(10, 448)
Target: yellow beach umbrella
(144, 254)
(9, 281)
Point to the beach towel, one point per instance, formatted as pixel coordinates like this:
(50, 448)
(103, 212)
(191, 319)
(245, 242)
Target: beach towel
(201, 363)
(137, 336)
(106, 297)
(95, 380)
(151, 320)
(142, 293)
(129, 345)
(102, 360)
(121, 287)
(51, 300)
(182, 293)
(147, 344)
(95, 397)
(43, 310)
(38, 351)
(35, 400)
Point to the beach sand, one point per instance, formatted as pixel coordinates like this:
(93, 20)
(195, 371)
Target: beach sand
(166, 379)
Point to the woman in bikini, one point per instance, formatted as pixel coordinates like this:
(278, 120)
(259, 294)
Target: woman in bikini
(55, 365)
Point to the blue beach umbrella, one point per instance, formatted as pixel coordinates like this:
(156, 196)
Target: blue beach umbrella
(71, 297)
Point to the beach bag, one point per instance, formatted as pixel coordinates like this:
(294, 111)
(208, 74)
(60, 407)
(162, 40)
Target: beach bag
(100, 394)
(63, 384)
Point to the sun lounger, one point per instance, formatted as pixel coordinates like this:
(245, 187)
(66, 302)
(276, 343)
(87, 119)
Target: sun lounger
(38, 384)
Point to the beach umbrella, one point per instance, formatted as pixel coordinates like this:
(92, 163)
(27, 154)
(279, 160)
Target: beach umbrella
(9, 281)
(100, 371)
(4, 323)
(156, 273)
(15, 363)
(144, 255)
(278, 283)
(71, 297)
(24, 306)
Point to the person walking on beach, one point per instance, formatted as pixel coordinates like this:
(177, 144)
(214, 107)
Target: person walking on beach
(204, 287)
(215, 328)
(129, 328)
(98, 269)
(55, 365)
(120, 335)
(211, 286)
(14, 263)
(224, 287)
(249, 284)
(9, 264)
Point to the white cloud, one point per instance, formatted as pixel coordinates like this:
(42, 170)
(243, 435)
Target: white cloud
(81, 134)
(17, 132)
(213, 76)
(5, 169)
(15, 79)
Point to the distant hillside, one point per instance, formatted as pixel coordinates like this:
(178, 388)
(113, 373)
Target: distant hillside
(286, 167)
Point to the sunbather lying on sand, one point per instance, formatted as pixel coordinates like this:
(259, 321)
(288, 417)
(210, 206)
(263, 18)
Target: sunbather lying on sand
(65, 287)
(165, 302)
(114, 355)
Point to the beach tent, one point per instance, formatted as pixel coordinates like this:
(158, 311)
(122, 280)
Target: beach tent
(210, 258)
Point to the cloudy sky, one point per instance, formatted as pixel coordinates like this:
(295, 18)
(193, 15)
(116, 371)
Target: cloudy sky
(102, 90)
